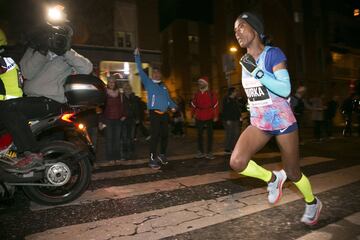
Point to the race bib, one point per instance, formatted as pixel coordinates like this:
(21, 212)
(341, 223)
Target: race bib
(258, 95)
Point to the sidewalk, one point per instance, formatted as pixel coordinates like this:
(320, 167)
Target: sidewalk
(186, 147)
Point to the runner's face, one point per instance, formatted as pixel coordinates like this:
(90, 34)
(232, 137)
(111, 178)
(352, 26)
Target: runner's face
(244, 33)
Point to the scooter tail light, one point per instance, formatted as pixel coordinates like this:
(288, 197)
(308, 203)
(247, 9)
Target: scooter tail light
(67, 117)
(5, 141)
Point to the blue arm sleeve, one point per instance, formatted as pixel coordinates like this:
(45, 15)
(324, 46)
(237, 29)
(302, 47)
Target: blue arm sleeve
(279, 85)
(144, 78)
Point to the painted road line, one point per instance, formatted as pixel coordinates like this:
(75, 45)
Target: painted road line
(146, 160)
(347, 228)
(179, 219)
(118, 192)
(144, 171)
(180, 157)
(123, 173)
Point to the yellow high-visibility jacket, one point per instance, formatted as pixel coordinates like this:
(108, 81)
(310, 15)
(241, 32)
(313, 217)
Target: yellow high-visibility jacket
(10, 79)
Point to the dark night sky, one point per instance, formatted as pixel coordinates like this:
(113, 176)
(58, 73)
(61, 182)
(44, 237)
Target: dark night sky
(27, 13)
(19, 16)
(197, 10)
(169, 10)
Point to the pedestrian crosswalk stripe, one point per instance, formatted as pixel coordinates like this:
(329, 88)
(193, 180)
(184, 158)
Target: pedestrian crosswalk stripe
(180, 157)
(123, 173)
(147, 170)
(174, 220)
(118, 192)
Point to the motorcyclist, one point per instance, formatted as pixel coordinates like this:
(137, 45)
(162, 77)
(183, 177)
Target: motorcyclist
(46, 64)
(10, 85)
(10, 76)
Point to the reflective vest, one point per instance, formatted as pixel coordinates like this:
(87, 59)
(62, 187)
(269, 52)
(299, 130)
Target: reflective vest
(11, 79)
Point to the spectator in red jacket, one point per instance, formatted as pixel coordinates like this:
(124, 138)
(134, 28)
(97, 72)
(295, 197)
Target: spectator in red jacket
(205, 109)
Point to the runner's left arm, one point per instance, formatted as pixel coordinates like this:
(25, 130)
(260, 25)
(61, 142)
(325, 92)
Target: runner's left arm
(279, 84)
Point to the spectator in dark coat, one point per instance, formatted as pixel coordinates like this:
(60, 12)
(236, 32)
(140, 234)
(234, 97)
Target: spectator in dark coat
(130, 122)
(347, 108)
(330, 112)
(231, 116)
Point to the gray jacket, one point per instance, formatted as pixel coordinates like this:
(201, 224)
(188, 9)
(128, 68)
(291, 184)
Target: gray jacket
(45, 75)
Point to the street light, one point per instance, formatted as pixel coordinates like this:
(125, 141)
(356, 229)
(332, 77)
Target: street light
(229, 63)
(233, 49)
(356, 12)
(56, 14)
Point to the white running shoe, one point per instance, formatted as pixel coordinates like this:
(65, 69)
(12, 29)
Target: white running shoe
(162, 159)
(210, 156)
(275, 188)
(200, 155)
(312, 213)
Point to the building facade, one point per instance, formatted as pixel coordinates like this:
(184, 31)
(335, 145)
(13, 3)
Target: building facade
(320, 39)
(106, 32)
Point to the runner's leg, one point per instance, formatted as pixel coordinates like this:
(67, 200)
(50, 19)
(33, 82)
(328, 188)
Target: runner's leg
(249, 143)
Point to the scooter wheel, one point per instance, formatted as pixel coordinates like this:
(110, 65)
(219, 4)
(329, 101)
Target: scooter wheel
(77, 184)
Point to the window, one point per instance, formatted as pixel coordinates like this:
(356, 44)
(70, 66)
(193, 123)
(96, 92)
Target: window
(120, 39)
(193, 39)
(193, 44)
(124, 72)
(128, 40)
(124, 39)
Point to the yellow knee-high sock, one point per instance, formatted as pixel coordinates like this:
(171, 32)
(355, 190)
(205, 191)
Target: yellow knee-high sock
(305, 188)
(256, 171)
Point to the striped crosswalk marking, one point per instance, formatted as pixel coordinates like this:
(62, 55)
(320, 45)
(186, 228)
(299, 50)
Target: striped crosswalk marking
(189, 157)
(165, 185)
(182, 218)
(147, 170)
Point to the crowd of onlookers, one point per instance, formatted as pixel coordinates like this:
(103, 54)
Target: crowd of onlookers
(323, 111)
(121, 119)
(125, 117)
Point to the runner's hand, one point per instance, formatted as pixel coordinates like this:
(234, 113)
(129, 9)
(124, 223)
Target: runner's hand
(136, 52)
(248, 63)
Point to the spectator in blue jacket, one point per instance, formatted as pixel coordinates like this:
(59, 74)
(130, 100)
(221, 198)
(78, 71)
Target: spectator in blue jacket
(158, 103)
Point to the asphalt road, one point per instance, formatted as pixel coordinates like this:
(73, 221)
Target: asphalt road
(199, 199)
